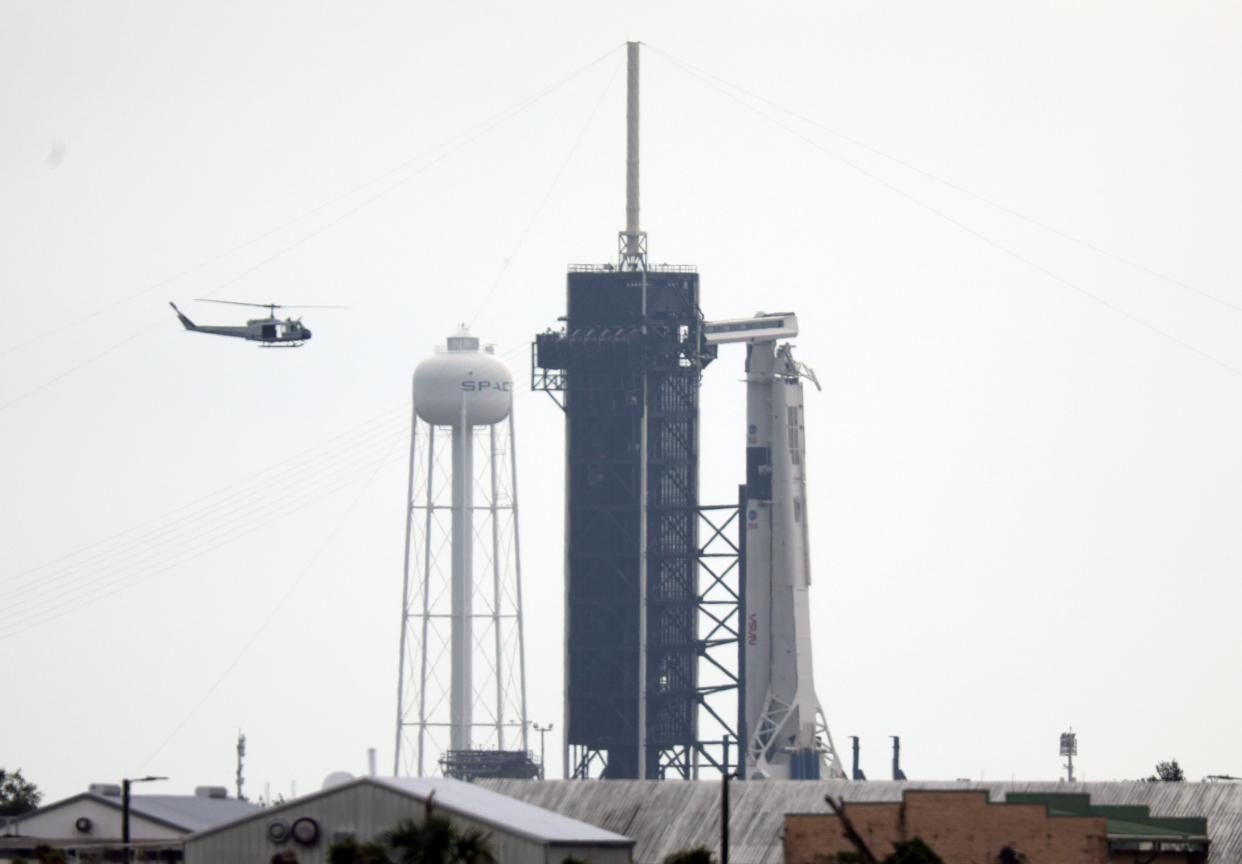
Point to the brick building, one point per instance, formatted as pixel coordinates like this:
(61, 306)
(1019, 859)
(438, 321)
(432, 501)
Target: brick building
(964, 827)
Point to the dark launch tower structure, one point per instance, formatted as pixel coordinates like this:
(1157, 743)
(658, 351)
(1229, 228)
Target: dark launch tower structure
(626, 370)
(628, 365)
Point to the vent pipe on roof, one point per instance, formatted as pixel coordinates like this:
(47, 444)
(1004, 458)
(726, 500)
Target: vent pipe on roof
(371, 761)
(898, 774)
(857, 773)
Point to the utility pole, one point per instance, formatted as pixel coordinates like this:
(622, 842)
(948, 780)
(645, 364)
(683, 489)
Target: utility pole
(241, 755)
(541, 730)
(125, 784)
(725, 776)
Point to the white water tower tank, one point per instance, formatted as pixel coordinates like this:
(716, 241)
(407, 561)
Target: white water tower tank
(462, 385)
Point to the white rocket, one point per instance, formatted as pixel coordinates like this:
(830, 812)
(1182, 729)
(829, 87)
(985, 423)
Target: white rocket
(785, 733)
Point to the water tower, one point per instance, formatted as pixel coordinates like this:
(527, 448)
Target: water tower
(461, 692)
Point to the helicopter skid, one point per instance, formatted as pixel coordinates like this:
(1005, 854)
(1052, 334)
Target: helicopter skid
(281, 344)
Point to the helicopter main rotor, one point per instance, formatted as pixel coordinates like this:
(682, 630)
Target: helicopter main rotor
(271, 307)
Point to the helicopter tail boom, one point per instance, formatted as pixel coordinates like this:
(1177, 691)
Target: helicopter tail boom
(186, 322)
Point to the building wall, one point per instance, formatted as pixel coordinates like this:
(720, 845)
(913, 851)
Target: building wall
(593, 854)
(1147, 857)
(962, 827)
(366, 811)
(58, 822)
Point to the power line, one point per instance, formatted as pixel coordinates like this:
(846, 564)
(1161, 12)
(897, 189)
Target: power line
(897, 160)
(546, 197)
(453, 142)
(260, 510)
(1107, 304)
(250, 507)
(356, 432)
(70, 371)
(22, 619)
(455, 145)
(31, 620)
(293, 586)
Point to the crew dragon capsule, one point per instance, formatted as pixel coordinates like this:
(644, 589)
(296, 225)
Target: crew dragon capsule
(786, 734)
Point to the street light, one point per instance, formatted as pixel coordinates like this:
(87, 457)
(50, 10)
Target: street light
(541, 730)
(125, 784)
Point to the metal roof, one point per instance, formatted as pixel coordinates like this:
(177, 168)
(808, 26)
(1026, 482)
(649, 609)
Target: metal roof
(509, 814)
(190, 811)
(666, 816)
(186, 813)
(472, 801)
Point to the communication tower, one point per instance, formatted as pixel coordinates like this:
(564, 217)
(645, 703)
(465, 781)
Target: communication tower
(1069, 749)
(461, 690)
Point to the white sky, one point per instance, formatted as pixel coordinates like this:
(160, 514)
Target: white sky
(1024, 500)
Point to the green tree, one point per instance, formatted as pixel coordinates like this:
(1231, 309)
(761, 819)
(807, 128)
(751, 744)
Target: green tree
(436, 840)
(697, 855)
(17, 794)
(913, 852)
(906, 852)
(350, 851)
(1168, 772)
(473, 847)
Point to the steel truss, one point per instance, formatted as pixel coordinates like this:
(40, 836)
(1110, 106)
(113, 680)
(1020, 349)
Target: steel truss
(423, 687)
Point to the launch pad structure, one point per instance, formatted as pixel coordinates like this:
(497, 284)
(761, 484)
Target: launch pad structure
(627, 370)
(657, 584)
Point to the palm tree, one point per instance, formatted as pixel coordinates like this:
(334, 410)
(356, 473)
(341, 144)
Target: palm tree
(350, 851)
(436, 840)
(473, 847)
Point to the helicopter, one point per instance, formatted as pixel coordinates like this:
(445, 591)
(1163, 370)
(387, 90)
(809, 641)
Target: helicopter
(269, 332)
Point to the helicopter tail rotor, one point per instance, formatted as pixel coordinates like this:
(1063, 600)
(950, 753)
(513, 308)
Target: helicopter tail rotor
(185, 322)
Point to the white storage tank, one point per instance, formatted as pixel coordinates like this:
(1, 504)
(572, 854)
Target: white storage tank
(462, 385)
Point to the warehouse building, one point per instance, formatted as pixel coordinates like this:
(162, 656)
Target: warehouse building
(965, 827)
(666, 817)
(90, 823)
(518, 832)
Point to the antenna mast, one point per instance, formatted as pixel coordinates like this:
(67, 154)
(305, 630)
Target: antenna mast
(241, 755)
(633, 242)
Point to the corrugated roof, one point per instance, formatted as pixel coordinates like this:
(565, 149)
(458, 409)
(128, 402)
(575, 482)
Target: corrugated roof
(521, 818)
(509, 814)
(666, 816)
(191, 811)
(186, 813)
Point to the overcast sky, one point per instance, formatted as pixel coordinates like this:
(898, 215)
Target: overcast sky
(1010, 233)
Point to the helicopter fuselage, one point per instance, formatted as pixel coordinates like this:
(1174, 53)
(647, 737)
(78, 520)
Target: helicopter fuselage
(268, 331)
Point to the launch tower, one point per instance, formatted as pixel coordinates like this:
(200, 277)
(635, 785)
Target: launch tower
(626, 371)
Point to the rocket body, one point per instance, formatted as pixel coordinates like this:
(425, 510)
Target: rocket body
(786, 735)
